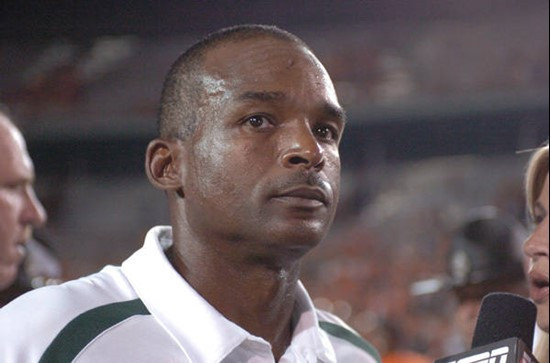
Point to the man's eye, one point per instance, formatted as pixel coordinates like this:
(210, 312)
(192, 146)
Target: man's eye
(14, 188)
(326, 133)
(258, 121)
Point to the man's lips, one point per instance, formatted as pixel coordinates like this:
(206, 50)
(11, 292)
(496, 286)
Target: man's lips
(311, 196)
(15, 255)
(21, 252)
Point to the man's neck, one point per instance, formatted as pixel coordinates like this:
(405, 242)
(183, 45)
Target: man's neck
(258, 294)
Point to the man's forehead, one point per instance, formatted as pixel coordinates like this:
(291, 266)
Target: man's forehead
(266, 69)
(11, 139)
(258, 53)
(259, 62)
(15, 162)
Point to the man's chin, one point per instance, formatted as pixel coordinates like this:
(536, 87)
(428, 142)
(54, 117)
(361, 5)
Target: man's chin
(8, 274)
(300, 237)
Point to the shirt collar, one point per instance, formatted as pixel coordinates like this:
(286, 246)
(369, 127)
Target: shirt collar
(202, 332)
(308, 338)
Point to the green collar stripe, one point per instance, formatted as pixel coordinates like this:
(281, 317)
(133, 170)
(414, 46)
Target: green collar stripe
(84, 328)
(343, 333)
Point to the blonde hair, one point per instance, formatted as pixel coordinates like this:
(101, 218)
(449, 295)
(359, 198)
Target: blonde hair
(537, 171)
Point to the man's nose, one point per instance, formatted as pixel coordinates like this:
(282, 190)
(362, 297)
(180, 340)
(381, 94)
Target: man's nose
(301, 149)
(34, 212)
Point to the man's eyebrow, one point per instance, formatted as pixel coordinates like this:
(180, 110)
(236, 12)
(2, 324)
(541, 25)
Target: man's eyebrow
(335, 112)
(18, 181)
(328, 109)
(264, 96)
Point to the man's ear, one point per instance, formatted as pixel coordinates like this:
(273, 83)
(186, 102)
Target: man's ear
(163, 165)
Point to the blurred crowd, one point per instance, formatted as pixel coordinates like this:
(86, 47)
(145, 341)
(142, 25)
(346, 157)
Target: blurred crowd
(501, 58)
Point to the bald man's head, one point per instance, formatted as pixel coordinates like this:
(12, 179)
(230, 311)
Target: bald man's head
(20, 210)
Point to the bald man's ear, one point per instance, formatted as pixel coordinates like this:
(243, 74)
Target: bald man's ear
(163, 165)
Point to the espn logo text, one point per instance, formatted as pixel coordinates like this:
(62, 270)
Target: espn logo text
(499, 355)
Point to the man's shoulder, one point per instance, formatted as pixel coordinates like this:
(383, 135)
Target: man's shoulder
(347, 343)
(44, 313)
(108, 284)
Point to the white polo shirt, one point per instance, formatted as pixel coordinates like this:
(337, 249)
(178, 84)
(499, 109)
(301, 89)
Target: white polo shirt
(144, 311)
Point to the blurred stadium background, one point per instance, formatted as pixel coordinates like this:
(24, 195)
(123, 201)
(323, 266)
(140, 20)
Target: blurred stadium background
(440, 94)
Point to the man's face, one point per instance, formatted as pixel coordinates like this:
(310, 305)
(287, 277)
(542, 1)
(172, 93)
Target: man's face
(20, 210)
(263, 165)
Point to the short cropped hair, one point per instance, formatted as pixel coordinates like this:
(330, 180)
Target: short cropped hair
(537, 171)
(183, 89)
